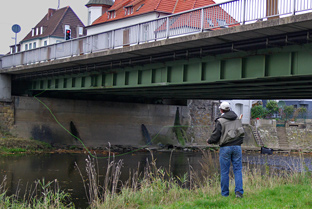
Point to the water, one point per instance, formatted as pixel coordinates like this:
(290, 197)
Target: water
(21, 171)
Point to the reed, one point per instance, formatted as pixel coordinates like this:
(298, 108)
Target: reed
(41, 194)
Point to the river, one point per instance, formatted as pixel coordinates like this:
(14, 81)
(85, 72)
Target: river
(22, 171)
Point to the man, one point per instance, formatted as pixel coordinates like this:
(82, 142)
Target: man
(229, 134)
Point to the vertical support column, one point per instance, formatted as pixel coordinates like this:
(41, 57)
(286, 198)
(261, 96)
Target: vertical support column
(5, 87)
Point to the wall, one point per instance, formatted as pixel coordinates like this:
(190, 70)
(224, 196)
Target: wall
(5, 87)
(95, 122)
(98, 123)
(100, 28)
(6, 116)
(298, 135)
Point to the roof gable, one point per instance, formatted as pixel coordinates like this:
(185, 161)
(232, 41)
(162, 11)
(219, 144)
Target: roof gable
(53, 23)
(147, 6)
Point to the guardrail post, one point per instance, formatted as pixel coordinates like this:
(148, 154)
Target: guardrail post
(55, 51)
(138, 42)
(167, 28)
(113, 39)
(244, 11)
(294, 10)
(202, 20)
(91, 44)
(71, 48)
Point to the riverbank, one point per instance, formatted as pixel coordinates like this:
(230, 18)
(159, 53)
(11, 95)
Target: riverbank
(15, 145)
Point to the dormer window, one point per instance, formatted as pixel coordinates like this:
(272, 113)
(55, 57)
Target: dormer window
(128, 10)
(111, 14)
(139, 7)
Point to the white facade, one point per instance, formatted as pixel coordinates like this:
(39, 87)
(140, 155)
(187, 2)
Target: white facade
(94, 13)
(121, 23)
(242, 107)
(36, 43)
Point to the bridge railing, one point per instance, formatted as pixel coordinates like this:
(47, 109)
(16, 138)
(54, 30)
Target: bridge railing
(212, 17)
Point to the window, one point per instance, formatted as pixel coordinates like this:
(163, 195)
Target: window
(128, 10)
(221, 23)
(35, 45)
(80, 31)
(304, 105)
(45, 43)
(30, 46)
(41, 30)
(89, 18)
(26, 47)
(111, 14)
(33, 32)
(139, 7)
(37, 31)
(210, 23)
(145, 32)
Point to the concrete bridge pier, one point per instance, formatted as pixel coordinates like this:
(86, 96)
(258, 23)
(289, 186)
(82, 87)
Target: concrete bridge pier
(5, 87)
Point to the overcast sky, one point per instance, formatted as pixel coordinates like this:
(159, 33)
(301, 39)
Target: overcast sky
(27, 13)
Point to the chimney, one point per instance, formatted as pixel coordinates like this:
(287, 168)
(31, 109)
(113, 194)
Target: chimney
(50, 13)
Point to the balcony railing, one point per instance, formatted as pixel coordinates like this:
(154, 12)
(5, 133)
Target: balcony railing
(212, 17)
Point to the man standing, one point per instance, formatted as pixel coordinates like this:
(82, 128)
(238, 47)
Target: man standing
(229, 135)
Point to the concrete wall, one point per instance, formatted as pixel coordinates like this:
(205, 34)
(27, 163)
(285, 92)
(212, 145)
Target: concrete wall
(97, 123)
(5, 87)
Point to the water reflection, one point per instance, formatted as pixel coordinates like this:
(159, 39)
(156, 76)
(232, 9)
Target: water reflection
(23, 170)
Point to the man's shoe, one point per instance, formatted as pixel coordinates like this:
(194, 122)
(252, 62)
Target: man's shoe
(238, 195)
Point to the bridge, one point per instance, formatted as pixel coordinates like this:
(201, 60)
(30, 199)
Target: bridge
(252, 55)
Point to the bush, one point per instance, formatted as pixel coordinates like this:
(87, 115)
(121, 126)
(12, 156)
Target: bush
(289, 110)
(272, 107)
(258, 112)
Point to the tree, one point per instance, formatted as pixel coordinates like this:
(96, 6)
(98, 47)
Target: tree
(272, 107)
(289, 110)
(258, 112)
(302, 111)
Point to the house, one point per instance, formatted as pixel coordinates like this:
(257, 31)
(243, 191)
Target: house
(124, 13)
(242, 107)
(96, 8)
(51, 29)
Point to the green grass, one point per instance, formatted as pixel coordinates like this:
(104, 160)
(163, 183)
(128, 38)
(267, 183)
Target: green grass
(293, 190)
(285, 196)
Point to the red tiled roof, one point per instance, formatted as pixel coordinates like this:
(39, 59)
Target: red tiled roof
(53, 25)
(163, 6)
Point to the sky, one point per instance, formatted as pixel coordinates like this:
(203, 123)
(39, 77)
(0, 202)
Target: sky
(27, 13)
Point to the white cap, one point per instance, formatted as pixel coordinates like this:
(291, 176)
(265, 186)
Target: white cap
(224, 106)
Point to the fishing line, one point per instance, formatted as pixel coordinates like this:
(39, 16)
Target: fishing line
(84, 146)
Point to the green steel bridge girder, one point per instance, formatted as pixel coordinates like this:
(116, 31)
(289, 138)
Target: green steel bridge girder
(286, 62)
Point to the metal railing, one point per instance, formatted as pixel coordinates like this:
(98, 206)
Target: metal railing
(212, 17)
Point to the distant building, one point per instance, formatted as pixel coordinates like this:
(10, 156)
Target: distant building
(242, 107)
(123, 13)
(96, 8)
(51, 29)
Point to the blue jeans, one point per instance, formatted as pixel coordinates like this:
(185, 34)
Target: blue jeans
(227, 155)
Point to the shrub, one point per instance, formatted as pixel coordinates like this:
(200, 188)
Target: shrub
(289, 110)
(258, 112)
(272, 107)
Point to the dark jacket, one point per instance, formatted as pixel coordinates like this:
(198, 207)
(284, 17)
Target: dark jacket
(217, 132)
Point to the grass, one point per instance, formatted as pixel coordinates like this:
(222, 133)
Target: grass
(157, 188)
(15, 145)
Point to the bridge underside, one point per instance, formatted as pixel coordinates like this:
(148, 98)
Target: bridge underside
(281, 73)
